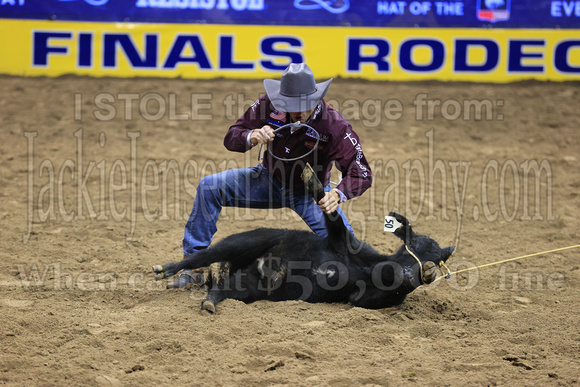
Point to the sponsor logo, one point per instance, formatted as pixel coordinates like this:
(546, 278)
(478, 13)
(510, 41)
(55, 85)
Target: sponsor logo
(96, 3)
(236, 5)
(493, 10)
(332, 6)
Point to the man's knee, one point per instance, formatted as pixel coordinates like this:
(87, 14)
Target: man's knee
(210, 185)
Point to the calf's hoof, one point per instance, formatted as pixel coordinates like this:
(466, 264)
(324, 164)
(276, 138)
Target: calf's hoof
(159, 270)
(187, 279)
(208, 305)
(429, 272)
(165, 270)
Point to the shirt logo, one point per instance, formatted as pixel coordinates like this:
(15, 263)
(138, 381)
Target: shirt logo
(313, 134)
(278, 115)
(359, 153)
(352, 139)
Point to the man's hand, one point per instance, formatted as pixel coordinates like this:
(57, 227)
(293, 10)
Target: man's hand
(262, 136)
(329, 203)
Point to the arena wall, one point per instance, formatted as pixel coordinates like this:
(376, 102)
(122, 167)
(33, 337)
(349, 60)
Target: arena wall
(454, 41)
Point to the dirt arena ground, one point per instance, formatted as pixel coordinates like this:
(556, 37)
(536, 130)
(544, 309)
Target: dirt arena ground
(98, 177)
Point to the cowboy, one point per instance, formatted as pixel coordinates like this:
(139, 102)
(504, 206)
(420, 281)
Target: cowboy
(297, 126)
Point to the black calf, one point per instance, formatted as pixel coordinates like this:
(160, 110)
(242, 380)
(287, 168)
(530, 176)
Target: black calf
(275, 264)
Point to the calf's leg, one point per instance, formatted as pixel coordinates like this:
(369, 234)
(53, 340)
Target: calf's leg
(242, 286)
(240, 249)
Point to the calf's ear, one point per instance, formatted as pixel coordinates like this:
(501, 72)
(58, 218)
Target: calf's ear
(446, 252)
(405, 232)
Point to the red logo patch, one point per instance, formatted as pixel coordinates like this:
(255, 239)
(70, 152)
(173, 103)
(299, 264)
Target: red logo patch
(278, 116)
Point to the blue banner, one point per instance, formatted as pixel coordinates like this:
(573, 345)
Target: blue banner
(377, 13)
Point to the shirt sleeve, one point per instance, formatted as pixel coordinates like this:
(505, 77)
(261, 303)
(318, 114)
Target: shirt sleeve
(237, 137)
(349, 158)
(340, 195)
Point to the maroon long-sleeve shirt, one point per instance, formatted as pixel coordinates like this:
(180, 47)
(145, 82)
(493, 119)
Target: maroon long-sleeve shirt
(338, 143)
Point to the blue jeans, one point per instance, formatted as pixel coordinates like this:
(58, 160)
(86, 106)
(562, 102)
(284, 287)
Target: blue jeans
(252, 187)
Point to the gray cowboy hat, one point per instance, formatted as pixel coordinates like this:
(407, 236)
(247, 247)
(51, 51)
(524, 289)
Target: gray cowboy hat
(297, 91)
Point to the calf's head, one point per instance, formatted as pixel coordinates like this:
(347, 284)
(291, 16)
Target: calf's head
(419, 257)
